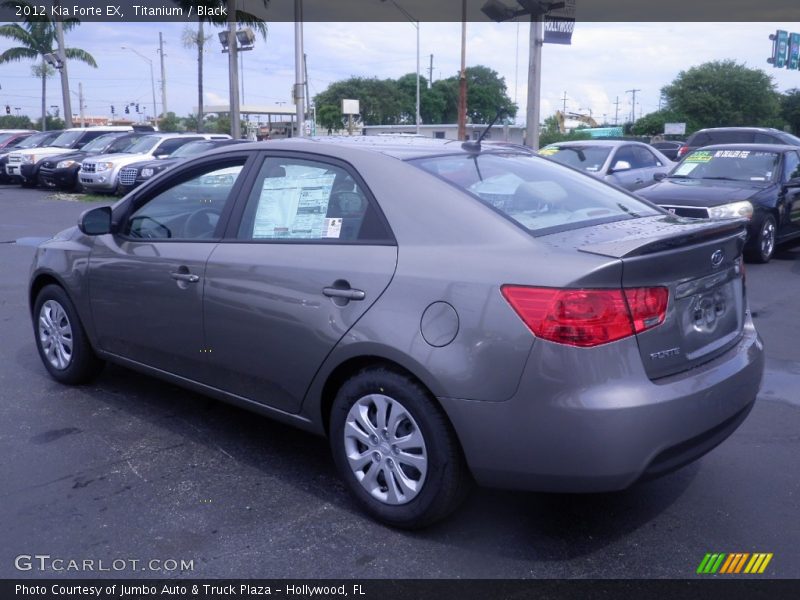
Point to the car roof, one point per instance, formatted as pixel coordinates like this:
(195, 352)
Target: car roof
(608, 143)
(751, 147)
(756, 129)
(403, 148)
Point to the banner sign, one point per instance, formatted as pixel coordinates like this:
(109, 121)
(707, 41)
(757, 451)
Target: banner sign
(559, 24)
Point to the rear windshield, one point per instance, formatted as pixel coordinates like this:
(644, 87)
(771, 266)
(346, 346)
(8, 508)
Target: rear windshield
(100, 143)
(586, 158)
(733, 165)
(193, 148)
(538, 194)
(67, 139)
(144, 144)
(35, 140)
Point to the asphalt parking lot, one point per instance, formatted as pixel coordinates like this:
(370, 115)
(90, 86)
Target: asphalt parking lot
(132, 468)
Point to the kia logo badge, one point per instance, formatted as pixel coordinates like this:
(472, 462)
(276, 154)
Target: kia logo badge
(717, 258)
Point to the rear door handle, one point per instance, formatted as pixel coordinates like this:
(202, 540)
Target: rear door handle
(187, 277)
(346, 293)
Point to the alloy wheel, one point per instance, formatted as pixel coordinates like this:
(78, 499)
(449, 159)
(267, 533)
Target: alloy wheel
(55, 334)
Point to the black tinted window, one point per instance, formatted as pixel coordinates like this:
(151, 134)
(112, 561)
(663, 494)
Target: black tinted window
(731, 137)
(791, 168)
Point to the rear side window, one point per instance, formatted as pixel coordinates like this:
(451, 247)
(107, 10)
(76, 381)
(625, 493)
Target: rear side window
(766, 138)
(541, 196)
(731, 137)
(305, 200)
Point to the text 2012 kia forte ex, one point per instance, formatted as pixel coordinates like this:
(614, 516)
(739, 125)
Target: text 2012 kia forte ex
(442, 312)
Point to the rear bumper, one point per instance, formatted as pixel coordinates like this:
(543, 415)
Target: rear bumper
(591, 420)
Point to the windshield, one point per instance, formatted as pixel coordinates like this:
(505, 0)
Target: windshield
(99, 144)
(734, 165)
(35, 140)
(67, 139)
(192, 149)
(587, 158)
(5, 136)
(144, 144)
(537, 194)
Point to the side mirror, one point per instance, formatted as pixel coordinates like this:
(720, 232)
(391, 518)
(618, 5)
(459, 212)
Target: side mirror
(659, 176)
(96, 221)
(620, 165)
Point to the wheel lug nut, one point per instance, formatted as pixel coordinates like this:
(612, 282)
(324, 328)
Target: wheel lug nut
(376, 456)
(385, 434)
(390, 462)
(395, 449)
(374, 439)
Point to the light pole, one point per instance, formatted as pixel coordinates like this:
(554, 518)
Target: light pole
(299, 95)
(415, 23)
(152, 80)
(233, 42)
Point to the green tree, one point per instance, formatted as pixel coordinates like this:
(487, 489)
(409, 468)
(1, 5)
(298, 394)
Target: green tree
(723, 93)
(379, 99)
(330, 117)
(51, 123)
(15, 122)
(790, 109)
(36, 37)
(653, 123)
(551, 134)
(170, 123)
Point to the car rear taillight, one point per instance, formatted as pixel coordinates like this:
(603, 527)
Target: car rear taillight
(587, 318)
(682, 150)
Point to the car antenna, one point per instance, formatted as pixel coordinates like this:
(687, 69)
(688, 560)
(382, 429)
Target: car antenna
(475, 146)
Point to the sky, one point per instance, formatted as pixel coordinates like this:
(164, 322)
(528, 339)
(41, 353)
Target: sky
(604, 60)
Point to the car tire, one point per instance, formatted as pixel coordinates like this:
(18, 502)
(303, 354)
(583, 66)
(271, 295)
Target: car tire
(426, 465)
(61, 339)
(762, 247)
(28, 183)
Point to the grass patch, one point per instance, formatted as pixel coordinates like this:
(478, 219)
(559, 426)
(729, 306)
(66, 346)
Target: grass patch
(83, 197)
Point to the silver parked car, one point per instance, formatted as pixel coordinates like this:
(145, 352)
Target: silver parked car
(630, 165)
(442, 312)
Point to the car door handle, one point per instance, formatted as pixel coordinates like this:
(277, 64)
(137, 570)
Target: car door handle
(187, 277)
(346, 293)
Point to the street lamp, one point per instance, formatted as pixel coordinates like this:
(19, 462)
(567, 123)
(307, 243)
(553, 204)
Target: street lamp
(246, 40)
(415, 23)
(152, 80)
(497, 11)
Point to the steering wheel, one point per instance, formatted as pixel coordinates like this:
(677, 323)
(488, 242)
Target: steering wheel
(156, 232)
(201, 224)
(348, 203)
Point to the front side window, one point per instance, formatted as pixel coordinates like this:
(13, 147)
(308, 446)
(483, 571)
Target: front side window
(539, 195)
(187, 210)
(792, 166)
(306, 200)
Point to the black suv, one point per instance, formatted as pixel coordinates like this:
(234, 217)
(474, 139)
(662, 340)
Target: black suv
(737, 135)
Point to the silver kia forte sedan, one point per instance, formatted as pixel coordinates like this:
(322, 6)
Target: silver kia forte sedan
(444, 313)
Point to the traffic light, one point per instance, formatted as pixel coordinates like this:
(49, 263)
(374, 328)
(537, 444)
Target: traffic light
(794, 52)
(780, 47)
(8, 109)
(137, 109)
(127, 109)
(112, 109)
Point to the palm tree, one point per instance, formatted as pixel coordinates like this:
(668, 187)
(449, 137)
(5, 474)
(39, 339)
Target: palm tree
(198, 39)
(36, 37)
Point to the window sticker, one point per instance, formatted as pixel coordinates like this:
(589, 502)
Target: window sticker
(332, 228)
(294, 207)
(699, 157)
(732, 154)
(548, 151)
(685, 168)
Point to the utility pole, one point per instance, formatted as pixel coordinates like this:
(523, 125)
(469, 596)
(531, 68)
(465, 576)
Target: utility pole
(298, 67)
(308, 97)
(564, 99)
(534, 81)
(430, 73)
(80, 103)
(616, 112)
(163, 76)
(233, 75)
(633, 104)
(62, 56)
(462, 77)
